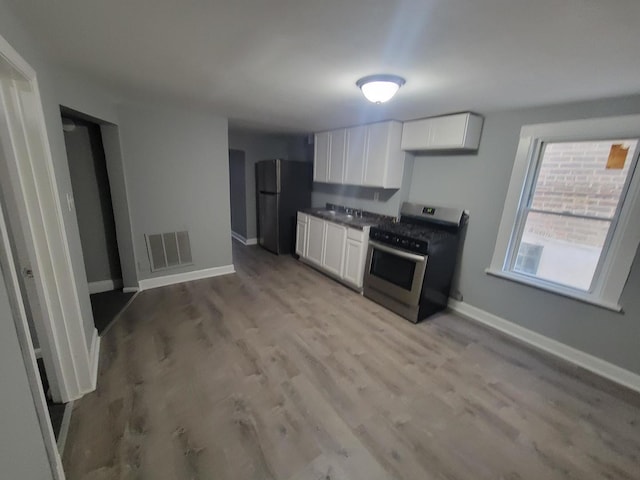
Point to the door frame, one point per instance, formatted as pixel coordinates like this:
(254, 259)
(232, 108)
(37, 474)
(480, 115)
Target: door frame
(7, 268)
(29, 161)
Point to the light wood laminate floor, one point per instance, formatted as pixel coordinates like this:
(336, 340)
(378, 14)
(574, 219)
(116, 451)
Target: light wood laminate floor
(278, 372)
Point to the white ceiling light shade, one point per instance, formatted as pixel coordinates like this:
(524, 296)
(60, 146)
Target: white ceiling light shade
(380, 88)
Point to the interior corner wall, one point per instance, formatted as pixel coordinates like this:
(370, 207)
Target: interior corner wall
(256, 146)
(479, 182)
(238, 193)
(177, 174)
(120, 203)
(92, 199)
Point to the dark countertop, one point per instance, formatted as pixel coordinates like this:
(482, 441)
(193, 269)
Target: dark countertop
(348, 220)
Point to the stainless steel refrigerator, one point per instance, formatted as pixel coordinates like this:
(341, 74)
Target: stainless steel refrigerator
(282, 188)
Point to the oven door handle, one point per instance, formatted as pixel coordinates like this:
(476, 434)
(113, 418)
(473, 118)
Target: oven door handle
(398, 253)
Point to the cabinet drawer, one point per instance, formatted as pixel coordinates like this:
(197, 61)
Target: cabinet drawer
(302, 217)
(355, 234)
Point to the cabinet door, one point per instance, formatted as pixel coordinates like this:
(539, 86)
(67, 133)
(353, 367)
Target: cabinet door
(354, 262)
(337, 147)
(301, 238)
(356, 152)
(335, 236)
(377, 154)
(416, 134)
(448, 131)
(322, 147)
(315, 240)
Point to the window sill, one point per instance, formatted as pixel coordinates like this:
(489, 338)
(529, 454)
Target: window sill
(565, 293)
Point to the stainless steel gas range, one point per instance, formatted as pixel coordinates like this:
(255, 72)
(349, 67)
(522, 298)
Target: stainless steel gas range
(410, 264)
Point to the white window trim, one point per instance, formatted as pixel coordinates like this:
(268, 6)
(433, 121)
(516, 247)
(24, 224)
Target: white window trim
(615, 270)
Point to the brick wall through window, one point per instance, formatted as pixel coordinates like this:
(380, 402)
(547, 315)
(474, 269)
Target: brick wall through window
(574, 178)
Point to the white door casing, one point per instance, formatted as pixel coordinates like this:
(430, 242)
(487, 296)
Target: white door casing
(8, 276)
(29, 164)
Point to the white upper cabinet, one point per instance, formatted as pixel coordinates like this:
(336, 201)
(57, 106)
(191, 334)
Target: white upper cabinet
(450, 132)
(384, 160)
(356, 153)
(367, 155)
(322, 147)
(337, 155)
(377, 154)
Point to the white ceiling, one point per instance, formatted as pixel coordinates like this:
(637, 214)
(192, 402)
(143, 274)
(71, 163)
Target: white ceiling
(291, 65)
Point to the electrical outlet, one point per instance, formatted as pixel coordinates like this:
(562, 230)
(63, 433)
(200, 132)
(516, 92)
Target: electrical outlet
(376, 196)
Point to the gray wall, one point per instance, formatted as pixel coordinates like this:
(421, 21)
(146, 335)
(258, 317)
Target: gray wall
(177, 174)
(479, 183)
(261, 146)
(174, 165)
(55, 86)
(93, 202)
(22, 450)
(238, 193)
(120, 203)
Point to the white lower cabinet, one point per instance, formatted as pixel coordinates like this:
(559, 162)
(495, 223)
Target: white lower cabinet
(301, 234)
(335, 236)
(354, 262)
(315, 240)
(333, 248)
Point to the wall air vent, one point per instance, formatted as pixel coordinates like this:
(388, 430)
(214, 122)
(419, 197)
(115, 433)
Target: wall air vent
(168, 250)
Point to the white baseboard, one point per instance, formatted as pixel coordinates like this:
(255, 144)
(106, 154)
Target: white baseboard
(185, 277)
(95, 358)
(243, 240)
(130, 290)
(577, 357)
(104, 286)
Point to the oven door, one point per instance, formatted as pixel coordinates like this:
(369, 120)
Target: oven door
(394, 272)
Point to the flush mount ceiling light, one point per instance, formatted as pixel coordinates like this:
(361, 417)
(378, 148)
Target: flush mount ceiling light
(380, 88)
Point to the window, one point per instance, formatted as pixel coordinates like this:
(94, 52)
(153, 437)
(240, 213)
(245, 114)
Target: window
(571, 217)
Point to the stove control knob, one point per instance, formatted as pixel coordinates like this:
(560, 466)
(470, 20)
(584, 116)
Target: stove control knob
(405, 243)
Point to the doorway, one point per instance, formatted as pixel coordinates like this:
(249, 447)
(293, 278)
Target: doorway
(238, 193)
(96, 221)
